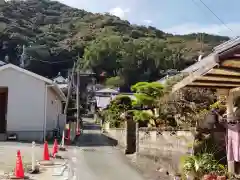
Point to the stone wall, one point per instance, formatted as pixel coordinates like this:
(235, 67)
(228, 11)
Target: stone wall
(163, 146)
(166, 140)
(118, 134)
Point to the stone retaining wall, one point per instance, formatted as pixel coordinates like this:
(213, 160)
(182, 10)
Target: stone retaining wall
(163, 145)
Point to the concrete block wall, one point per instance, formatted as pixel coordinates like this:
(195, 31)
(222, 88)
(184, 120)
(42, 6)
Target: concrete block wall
(118, 134)
(164, 140)
(179, 141)
(163, 147)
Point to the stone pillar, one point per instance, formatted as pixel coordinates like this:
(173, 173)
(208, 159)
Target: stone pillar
(131, 136)
(107, 126)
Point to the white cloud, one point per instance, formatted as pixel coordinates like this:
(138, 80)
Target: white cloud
(211, 29)
(147, 21)
(117, 11)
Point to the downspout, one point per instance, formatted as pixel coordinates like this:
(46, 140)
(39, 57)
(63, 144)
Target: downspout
(45, 111)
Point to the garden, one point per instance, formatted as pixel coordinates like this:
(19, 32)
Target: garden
(154, 106)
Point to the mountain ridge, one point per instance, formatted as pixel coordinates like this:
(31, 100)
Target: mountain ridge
(55, 35)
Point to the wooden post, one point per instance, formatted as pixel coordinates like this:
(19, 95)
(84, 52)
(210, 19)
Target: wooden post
(77, 99)
(222, 93)
(230, 106)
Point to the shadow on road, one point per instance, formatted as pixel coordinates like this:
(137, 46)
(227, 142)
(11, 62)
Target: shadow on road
(95, 140)
(92, 137)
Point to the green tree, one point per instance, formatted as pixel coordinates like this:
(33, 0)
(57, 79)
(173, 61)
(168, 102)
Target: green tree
(105, 43)
(147, 94)
(104, 55)
(116, 82)
(121, 104)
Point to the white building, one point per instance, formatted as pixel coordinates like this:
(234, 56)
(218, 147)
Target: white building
(61, 82)
(105, 96)
(30, 105)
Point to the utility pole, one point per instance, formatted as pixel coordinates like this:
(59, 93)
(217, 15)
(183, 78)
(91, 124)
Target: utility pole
(77, 99)
(70, 82)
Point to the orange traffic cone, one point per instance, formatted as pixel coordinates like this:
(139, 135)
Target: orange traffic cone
(19, 172)
(45, 152)
(55, 148)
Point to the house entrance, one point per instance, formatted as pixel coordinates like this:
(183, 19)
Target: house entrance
(3, 109)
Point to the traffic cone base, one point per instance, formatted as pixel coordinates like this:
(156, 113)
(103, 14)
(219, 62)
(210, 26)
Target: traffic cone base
(19, 172)
(25, 177)
(36, 170)
(62, 149)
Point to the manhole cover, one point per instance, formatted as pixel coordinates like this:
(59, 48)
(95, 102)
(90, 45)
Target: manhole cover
(89, 150)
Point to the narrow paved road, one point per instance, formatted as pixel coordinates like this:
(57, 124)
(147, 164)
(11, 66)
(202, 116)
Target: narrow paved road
(97, 160)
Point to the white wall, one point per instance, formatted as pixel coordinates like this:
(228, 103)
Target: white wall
(54, 108)
(25, 110)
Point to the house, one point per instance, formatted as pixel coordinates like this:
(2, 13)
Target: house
(31, 105)
(105, 96)
(61, 82)
(220, 71)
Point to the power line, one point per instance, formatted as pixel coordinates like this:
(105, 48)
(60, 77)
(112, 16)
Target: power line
(216, 15)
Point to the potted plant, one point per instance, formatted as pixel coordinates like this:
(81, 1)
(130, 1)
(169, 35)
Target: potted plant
(202, 166)
(221, 178)
(222, 172)
(210, 176)
(219, 172)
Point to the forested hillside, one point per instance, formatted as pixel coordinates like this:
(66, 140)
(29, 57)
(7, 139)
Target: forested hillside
(55, 35)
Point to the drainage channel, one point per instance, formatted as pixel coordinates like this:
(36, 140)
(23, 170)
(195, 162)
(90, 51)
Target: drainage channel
(89, 150)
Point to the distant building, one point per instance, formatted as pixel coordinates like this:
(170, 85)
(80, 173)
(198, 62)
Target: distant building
(107, 92)
(105, 96)
(61, 82)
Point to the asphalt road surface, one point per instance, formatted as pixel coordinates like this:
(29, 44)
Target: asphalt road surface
(95, 159)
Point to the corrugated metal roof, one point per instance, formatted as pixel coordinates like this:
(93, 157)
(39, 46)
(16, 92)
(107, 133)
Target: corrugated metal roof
(227, 45)
(206, 60)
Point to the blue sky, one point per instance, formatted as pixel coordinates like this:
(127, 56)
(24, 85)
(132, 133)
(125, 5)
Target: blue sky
(174, 16)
